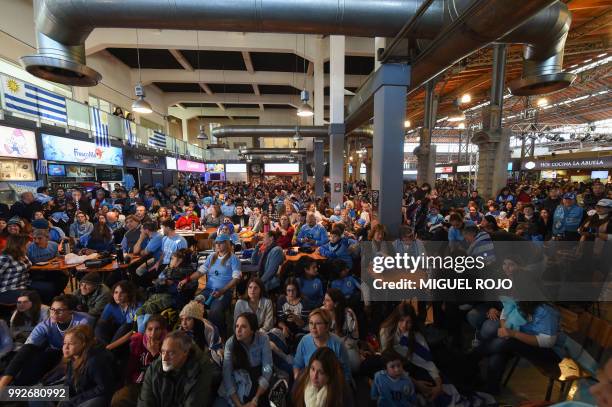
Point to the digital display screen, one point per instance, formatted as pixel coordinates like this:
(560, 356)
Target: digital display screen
(56, 170)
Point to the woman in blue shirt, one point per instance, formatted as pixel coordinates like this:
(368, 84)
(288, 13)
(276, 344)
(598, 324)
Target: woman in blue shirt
(223, 273)
(247, 360)
(119, 315)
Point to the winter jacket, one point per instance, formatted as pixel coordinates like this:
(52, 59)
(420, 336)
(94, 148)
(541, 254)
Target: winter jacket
(340, 250)
(188, 386)
(95, 302)
(96, 378)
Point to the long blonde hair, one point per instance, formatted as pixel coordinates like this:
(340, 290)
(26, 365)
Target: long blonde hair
(229, 250)
(84, 334)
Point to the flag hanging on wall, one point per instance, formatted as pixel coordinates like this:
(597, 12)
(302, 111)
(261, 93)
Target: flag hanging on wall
(25, 98)
(41, 167)
(99, 124)
(157, 139)
(130, 133)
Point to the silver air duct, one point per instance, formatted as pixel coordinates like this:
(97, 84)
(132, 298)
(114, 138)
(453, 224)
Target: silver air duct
(63, 26)
(280, 131)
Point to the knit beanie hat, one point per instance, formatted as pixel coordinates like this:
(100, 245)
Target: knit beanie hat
(193, 310)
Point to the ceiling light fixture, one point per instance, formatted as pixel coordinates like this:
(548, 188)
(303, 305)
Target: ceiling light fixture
(140, 105)
(466, 98)
(202, 133)
(297, 136)
(407, 124)
(542, 102)
(226, 147)
(305, 110)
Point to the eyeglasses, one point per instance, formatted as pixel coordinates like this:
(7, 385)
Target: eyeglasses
(57, 310)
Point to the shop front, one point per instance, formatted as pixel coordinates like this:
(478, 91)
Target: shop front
(574, 168)
(77, 163)
(147, 169)
(445, 172)
(283, 171)
(17, 154)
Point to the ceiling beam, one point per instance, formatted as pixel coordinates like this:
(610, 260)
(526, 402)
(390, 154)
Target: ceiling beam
(221, 106)
(256, 89)
(261, 107)
(172, 98)
(206, 89)
(310, 70)
(247, 62)
(180, 58)
(602, 20)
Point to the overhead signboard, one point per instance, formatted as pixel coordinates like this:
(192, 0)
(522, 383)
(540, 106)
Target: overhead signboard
(77, 151)
(567, 163)
(190, 166)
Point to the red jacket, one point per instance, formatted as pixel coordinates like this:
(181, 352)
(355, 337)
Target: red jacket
(184, 222)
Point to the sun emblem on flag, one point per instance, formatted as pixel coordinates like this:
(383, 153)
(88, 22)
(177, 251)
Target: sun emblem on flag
(13, 85)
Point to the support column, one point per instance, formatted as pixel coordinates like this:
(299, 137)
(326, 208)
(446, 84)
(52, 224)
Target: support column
(303, 170)
(426, 153)
(493, 141)
(81, 94)
(388, 148)
(185, 128)
(336, 128)
(319, 169)
(319, 85)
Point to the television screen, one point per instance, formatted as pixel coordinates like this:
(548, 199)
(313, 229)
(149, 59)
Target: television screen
(56, 170)
(215, 176)
(599, 175)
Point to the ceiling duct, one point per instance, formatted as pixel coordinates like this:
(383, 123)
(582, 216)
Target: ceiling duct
(63, 26)
(280, 131)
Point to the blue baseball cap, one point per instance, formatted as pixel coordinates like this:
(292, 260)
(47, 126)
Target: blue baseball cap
(222, 238)
(569, 195)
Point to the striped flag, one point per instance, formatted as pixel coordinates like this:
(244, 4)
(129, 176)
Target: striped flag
(23, 97)
(130, 133)
(157, 139)
(41, 167)
(99, 121)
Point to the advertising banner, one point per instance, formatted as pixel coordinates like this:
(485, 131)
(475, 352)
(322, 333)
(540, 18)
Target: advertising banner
(77, 151)
(190, 166)
(17, 143)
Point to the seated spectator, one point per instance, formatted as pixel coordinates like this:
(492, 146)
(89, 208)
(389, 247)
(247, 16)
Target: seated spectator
(247, 359)
(14, 269)
(189, 220)
(474, 215)
(344, 324)
(322, 384)
(99, 240)
(254, 301)
(312, 234)
(227, 228)
(80, 227)
(41, 249)
(203, 332)
(149, 245)
(3, 233)
(240, 219)
(269, 257)
(223, 274)
(44, 344)
(118, 315)
(30, 312)
(181, 377)
(167, 281)
(92, 296)
(145, 348)
(214, 218)
(392, 386)
(286, 232)
(311, 286)
(132, 234)
(291, 313)
(344, 281)
(319, 322)
(533, 340)
(89, 370)
(171, 242)
(338, 247)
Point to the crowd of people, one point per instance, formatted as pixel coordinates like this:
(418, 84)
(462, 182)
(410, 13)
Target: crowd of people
(240, 325)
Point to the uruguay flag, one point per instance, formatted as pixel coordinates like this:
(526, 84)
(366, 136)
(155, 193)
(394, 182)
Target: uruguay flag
(130, 132)
(23, 97)
(157, 139)
(99, 122)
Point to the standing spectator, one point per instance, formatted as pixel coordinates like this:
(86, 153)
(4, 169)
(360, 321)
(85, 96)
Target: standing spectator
(567, 218)
(181, 377)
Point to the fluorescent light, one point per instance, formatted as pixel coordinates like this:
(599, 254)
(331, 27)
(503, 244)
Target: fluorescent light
(407, 123)
(466, 98)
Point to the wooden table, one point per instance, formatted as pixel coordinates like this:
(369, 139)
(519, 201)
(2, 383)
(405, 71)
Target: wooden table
(314, 255)
(114, 265)
(57, 264)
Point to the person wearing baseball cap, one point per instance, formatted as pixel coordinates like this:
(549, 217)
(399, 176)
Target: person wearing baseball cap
(567, 218)
(92, 295)
(223, 274)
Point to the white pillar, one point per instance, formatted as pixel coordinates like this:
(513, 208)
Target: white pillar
(80, 94)
(379, 42)
(319, 85)
(336, 128)
(185, 128)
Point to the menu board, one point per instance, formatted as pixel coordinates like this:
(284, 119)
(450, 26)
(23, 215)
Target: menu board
(80, 171)
(17, 170)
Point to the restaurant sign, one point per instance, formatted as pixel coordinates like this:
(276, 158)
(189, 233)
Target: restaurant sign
(568, 163)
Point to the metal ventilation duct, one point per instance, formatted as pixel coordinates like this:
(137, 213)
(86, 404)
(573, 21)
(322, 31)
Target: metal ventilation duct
(63, 26)
(280, 131)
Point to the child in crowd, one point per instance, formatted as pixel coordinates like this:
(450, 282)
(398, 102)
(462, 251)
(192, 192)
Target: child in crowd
(311, 285)
(177, 270)
(392, 386)
(345, 282)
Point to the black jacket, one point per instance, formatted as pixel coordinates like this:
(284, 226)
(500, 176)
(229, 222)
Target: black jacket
(25, 211)
(189, 386)
(96, 378)
(236, 220)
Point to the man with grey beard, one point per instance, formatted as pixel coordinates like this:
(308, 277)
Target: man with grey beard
(181, 377)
